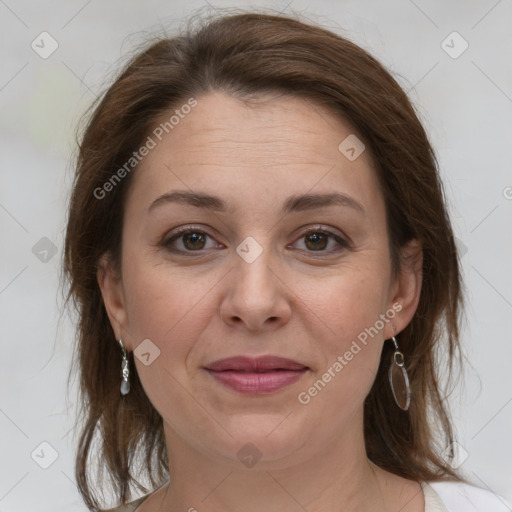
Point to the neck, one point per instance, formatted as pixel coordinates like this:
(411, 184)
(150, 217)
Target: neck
(338, 477)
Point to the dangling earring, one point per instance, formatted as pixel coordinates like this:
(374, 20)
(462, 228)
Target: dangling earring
(125, 371)
(398, 379)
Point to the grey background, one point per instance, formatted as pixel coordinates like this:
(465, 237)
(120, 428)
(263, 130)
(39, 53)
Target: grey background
(465, 104)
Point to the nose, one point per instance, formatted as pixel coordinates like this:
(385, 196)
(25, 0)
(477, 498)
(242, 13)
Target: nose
(256, 295)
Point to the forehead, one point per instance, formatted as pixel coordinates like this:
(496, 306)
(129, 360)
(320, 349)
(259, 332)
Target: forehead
(253, 154)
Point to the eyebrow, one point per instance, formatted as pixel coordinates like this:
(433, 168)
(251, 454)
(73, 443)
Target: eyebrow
(297, 203)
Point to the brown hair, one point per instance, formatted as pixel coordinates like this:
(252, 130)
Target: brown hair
(246, 54)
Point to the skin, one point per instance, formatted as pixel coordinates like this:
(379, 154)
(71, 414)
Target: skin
(292, 301)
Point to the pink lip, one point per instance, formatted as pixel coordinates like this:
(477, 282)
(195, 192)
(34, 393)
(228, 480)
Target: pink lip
(256, 375)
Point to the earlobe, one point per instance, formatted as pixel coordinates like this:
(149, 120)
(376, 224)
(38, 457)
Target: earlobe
(110, 284)
(407, 287)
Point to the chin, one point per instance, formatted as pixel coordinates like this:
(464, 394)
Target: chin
(267, 440)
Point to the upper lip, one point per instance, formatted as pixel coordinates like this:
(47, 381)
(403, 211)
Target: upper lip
(264, 363)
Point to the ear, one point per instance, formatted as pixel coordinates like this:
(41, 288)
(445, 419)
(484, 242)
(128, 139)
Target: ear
(111, 286)
(406, 288)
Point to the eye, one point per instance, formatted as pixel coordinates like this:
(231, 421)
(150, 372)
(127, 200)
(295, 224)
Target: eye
(317, 240)
(190, 239)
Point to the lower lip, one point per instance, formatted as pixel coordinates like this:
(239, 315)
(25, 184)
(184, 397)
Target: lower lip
(257, 383)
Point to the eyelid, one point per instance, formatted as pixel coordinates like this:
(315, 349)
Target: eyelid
(321, 227)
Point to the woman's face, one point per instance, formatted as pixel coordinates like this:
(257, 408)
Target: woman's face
(277, 270)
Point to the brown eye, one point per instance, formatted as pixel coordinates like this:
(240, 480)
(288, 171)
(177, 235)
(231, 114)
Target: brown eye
(190, 240)
(187, 240)
(318, 241)
(194, 240)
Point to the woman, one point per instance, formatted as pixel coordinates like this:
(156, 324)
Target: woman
(264, 271)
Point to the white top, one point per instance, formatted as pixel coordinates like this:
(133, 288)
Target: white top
(460, 497)
(439, 497)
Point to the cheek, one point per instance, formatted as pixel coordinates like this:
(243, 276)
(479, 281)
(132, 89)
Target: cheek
(167, 305)
(351, 328)
(349, 358)
(172, 306)
(349, 303)
(169, 309)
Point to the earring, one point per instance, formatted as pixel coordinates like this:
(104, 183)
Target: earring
(125, 371)
(398, 378)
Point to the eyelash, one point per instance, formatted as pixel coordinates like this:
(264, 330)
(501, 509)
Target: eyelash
(180, 232)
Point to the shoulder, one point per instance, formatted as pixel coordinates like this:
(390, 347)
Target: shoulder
(463, 497)
(129, 507)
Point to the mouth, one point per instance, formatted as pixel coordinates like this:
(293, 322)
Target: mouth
(256, 376)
